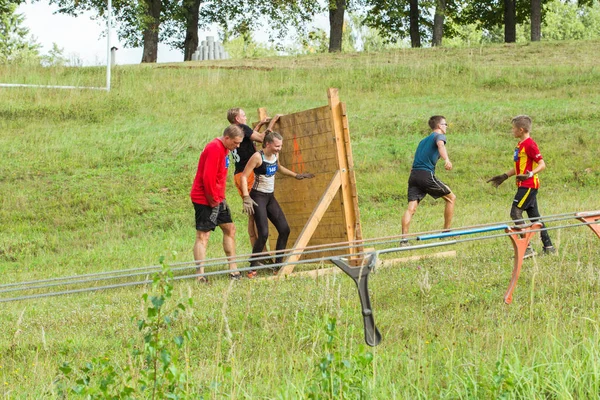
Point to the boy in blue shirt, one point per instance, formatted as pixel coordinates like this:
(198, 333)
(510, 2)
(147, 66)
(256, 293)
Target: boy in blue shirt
(422, 180)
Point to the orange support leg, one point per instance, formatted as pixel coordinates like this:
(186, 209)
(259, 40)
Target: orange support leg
(520, 239)
(592, 218)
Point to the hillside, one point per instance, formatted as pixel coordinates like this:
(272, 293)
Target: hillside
(93, 181)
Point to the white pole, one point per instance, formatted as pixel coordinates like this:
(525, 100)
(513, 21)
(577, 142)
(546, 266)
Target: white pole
(108, 51)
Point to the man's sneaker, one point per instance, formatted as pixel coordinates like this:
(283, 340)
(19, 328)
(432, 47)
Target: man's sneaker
(235, 276)
(529, 253)
(275, 270)
(404, 243)
(549, 250)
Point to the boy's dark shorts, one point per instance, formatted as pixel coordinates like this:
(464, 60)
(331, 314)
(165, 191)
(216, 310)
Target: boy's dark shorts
(421, 183)
(525, 198)
(208, 218)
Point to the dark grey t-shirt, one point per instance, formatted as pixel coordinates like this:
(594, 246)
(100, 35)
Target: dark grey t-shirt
(242, 154)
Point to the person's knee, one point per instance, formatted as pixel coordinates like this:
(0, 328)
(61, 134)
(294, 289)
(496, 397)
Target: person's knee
(228, 229)
(202, 237)
(516, 213)
(450, 198)
(285, 231)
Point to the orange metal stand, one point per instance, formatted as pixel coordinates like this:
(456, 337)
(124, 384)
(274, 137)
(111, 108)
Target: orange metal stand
(591, 217)
(520, 237)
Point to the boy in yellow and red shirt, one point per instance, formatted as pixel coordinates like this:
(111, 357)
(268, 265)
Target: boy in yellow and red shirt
(528, 163)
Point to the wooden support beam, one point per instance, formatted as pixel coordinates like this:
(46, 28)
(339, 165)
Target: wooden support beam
(342, 156)
(313, 222)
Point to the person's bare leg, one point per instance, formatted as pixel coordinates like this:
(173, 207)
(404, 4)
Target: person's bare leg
(229, 243)
(200, 250)
(449, 210)
(408, 214)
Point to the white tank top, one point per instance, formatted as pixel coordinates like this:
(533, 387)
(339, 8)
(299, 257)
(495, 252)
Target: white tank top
(264, 175)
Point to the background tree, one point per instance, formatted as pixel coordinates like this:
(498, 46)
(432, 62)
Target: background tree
(138, 23)
(438, 22)
(400, 19)
(536, 20)
(337, 8)
(490, 14)
(15, 43)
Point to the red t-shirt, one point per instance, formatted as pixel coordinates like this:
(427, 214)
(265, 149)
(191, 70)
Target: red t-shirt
(209, 184)
(526, 157)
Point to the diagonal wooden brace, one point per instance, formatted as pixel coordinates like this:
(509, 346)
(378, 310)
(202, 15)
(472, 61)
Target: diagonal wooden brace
(592, 218)
(360, 275)
(520, 237)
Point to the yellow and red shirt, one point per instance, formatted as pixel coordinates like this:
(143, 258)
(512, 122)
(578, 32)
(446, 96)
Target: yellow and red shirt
(527, 156)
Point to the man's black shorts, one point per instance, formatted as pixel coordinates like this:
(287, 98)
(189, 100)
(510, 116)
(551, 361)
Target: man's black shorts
(421, 183)
(525, 198)
(208, 218)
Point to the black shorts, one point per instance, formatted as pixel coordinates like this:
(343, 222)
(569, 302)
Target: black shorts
(525, 198)
(421, 183)
(208, 218)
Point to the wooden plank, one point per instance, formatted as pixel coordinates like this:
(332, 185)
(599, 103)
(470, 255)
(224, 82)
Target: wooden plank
(313, 222)
(337, 125)
(351, 176)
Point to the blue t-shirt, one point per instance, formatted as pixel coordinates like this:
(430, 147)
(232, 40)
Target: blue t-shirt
(427, 153)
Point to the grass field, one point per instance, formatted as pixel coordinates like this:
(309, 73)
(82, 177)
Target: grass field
(93, 181)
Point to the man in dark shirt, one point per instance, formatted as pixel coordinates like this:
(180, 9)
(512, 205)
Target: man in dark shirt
(242, 154)
(422, 180)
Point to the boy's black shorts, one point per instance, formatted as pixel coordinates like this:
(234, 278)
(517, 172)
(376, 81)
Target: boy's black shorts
(421, 183)
(208, 218)
(525, 198)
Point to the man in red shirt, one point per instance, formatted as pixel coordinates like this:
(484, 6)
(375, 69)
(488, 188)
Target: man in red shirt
(528, 163)
(208, 197)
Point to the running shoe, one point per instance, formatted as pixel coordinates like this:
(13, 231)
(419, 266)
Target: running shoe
(529, 252)
(549, 250)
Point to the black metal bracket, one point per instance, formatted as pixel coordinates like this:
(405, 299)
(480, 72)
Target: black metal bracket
(360, 275)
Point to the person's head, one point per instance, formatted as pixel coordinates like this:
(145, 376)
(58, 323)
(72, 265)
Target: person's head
(273, 142)
(233, 136)
(438, 123)
(521, 125)
(236, 116)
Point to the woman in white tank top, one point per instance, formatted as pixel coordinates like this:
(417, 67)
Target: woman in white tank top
(260, 201)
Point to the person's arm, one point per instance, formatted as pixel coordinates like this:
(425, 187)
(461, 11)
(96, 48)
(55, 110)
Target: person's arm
(248, 204)
(256, 135)
(444, 154)
(540, 167)
(254, 162)
(285, 171)
(209, 176)
(499, 179)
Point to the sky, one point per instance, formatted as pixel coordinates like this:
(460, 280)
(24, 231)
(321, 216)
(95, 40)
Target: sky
(81, 37)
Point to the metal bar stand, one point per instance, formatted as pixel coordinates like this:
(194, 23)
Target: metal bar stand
(592, 218)
(360, 275)
(520, 240)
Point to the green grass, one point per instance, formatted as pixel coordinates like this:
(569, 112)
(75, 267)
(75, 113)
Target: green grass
(91, 181)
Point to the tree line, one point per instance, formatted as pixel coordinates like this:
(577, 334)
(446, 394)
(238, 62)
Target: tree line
(146, 23)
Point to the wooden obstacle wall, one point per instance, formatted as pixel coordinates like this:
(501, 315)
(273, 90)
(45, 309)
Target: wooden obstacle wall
(322, 210)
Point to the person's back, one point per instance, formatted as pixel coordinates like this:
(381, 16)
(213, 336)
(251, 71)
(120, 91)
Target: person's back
(427, 153)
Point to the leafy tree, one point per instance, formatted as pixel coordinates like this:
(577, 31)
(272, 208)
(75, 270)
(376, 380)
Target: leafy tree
(55, 57)
(489, 14)
(398, 19)
(15, 43)
(138, 22)
(568, 21)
